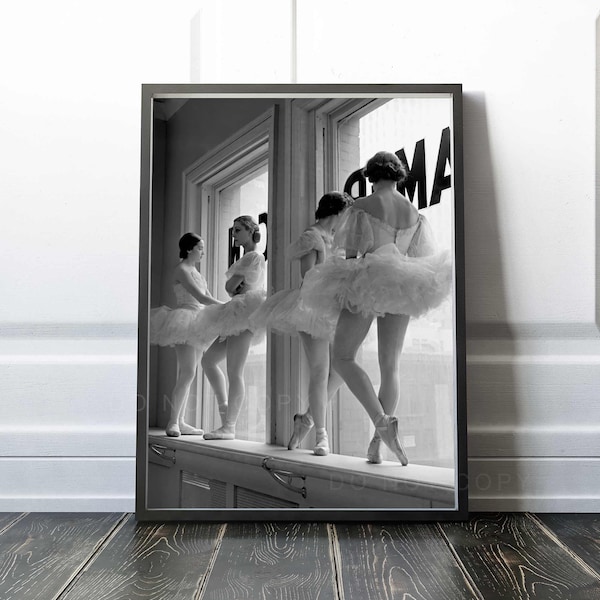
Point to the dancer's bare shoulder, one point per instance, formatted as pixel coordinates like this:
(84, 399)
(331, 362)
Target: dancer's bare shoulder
(394, 209)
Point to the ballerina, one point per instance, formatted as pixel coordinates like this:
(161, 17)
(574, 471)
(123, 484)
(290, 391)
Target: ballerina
(391, 272)
(285, 313)
(229, 323)
(172, 326)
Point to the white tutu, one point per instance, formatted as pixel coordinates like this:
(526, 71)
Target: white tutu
(284, 312)
(382, 282)
(171, 326)
(229, 319)
(388, 280)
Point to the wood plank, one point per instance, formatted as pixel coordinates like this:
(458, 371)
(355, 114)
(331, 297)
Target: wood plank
(398, 561)
(40, 553)
(510, 556)
(290, 561)
(580, 532)
(149, 561)
(7, 519)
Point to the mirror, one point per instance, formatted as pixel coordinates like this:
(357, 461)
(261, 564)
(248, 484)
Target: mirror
(367, 265)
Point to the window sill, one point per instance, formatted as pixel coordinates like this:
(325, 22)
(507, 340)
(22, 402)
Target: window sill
(426, 486)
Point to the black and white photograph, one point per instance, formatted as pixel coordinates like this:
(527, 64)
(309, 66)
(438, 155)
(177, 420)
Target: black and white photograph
(301, 308)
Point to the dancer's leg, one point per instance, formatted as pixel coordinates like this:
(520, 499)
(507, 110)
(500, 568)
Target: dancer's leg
(303, 422)
(210, 364)
(237, 352)
(391, 331)
(334, 381)
(349, 335)
(317, 355)
(187, 362)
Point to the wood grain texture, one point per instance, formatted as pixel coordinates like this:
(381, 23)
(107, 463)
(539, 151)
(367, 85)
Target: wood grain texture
(8, 519)
(408, 561)
(278, 561)
(580, 533)
(40, 553)
(510, 556)
(149, 561)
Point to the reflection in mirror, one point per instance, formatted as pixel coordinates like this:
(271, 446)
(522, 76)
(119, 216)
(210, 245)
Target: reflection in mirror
(305, 345)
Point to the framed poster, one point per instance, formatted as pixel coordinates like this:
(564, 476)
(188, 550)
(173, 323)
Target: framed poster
(225, 385)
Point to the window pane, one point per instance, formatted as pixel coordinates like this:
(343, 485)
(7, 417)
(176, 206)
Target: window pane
(426, 407)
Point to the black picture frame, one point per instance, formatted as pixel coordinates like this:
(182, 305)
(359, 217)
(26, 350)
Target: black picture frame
(167, 109)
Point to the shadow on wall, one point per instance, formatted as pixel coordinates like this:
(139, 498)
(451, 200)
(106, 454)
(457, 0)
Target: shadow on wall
(491, 390)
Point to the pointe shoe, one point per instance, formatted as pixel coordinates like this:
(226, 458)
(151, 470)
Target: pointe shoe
(173, 430)
(219, 434)
(186, 429)
(374, 455)
(303, 423)
(387, 429)
(322, 445)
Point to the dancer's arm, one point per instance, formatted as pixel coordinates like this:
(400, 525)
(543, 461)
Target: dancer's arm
(358, 237)
(245, 273)
(235, 285)
(307, 262)
(187, 281)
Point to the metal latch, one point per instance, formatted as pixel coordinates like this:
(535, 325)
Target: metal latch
(162, 452)
(285, 478)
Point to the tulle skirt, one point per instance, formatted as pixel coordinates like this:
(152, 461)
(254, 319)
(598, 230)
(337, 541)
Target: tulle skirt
(171, 326)
(226, 320)
(379, 283)
(285, 312)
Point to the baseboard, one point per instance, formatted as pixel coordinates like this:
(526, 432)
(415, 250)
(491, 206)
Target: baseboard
(543, 441)
(537, 484)
(67, 441)
(71, 504)
(76, 484)
(536, 504)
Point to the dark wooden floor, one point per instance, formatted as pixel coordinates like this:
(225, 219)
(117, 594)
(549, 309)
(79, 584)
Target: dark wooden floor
(107, 556)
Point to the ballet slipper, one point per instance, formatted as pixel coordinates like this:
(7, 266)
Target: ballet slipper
(219, 434)
(303, 423)
(322, 445)
(374, 455)
(387, 428)
(173, 430)
(189, 430)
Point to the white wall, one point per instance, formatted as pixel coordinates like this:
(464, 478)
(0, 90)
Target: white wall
(70, 85)
(69, 99)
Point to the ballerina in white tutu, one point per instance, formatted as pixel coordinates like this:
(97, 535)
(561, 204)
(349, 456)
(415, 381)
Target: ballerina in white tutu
(391, 272)
(230, 324)
(172, 327)
(285, 313)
